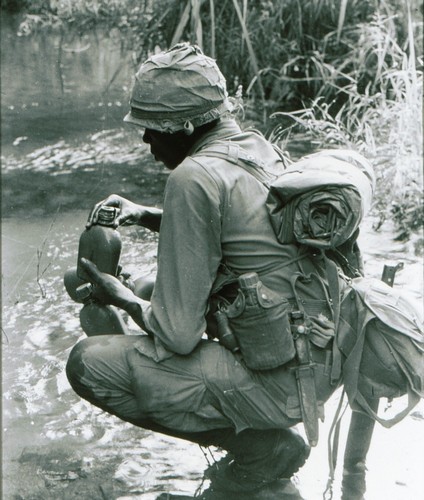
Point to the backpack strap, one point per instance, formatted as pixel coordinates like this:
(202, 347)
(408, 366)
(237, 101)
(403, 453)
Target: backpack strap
(233, 153)
(332, 273)
(333, 445)
(363, 405)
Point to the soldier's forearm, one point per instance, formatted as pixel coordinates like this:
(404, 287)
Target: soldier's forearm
(135, 309)
(151, 218)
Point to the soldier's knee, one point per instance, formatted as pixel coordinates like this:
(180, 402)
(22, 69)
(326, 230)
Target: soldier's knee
(295, 440)
(75, 366)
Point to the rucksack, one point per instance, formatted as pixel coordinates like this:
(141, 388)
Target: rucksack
(319, 202)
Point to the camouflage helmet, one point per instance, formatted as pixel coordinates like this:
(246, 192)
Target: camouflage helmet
(179, 89)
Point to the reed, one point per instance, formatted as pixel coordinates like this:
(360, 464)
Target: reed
(284, 53)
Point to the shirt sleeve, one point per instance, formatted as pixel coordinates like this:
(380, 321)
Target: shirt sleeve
(189, 255)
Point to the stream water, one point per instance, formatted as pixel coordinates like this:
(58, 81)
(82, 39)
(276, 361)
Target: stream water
(63, 150)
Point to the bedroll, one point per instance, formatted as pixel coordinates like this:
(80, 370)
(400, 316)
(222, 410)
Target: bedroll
(321, 199)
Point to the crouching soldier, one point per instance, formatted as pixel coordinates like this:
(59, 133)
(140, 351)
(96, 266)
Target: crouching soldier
(221, 271)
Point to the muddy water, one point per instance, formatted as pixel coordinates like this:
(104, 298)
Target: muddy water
(57, 161)
(51, 439)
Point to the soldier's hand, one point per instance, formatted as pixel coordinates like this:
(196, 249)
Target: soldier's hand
(106, 288)
(129, 212)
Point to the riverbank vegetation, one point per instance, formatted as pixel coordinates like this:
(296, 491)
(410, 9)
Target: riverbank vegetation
(343, 73)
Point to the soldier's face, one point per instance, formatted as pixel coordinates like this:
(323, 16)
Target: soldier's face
(170, 149)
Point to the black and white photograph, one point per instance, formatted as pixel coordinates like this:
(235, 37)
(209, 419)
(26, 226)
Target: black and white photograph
(212, 243)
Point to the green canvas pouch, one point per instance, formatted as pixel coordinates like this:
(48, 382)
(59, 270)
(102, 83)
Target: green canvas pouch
(260, 322)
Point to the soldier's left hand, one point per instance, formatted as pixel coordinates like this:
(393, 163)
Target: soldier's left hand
(106, 288)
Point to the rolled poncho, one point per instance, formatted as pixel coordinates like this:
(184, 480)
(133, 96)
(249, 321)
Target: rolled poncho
(321, 199)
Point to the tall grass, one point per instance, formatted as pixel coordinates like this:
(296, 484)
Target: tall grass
(284, 53)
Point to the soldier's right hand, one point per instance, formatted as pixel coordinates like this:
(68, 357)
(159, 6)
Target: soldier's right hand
(129, 214)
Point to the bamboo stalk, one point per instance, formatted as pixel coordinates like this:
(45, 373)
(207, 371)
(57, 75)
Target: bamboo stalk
(342, 15)
(182, 24)
(212, 10)
(253, 59)
(196, 22)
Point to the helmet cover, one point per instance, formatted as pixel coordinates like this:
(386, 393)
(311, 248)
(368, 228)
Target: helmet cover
(178, 89)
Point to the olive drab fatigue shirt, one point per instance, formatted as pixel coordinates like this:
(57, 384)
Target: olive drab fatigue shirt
(214, 212)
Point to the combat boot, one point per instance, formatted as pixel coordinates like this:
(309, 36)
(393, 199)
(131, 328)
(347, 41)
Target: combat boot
(260, 459)
(259, 463)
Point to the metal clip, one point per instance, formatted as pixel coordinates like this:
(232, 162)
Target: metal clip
(389, 273)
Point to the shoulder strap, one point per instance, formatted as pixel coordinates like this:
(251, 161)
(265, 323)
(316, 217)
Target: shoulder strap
(363, 405)
(238, 156)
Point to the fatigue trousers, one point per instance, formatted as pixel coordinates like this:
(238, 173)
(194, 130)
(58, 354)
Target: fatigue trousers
(208, 389)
